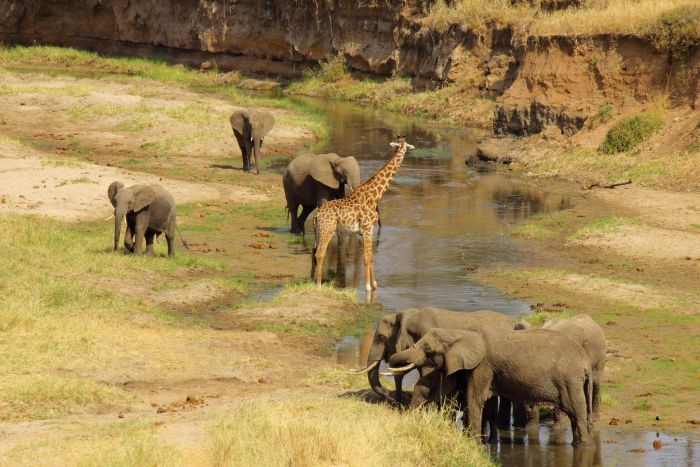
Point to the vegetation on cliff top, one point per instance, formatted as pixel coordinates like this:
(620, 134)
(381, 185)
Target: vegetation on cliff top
(638, 17)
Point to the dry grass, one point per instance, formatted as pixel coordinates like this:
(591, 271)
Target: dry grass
(639, 17)
(340, 432)
(119, 444)
(57, 330)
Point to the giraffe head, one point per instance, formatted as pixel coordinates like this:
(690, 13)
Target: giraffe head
(402, 140)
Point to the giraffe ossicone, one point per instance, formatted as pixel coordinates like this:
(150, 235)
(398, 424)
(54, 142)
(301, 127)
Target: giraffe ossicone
(356, 212)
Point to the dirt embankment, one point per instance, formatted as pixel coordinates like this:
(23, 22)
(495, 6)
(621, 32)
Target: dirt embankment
(539, 84)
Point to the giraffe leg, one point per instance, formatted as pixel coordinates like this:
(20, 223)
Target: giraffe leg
(369, 259)
(324, 237)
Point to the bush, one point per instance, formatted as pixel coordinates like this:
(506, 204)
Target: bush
(678, 31)
(332, 70)
(604, 114)
(630, 132)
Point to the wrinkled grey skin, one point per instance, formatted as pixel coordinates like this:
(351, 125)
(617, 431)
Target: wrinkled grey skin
(591, 337)
(525, 366)
(399, 331)
(312, 179)
(149, 211)
(250, 126)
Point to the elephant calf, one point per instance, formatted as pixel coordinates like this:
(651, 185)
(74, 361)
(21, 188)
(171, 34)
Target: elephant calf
(250, 126)
(524, 366)
(149, 211)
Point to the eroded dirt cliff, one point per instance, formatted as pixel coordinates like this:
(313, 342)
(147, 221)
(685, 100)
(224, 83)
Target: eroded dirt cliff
(539, 84)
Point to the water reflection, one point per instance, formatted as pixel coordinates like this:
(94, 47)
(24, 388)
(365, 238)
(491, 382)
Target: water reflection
(442, 220)
(548, 448)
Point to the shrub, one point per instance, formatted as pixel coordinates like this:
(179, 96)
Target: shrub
(332, 70)
(678, 30)
(630, 132)
(604, 114)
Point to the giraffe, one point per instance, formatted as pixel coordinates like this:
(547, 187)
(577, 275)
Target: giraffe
(357, 212)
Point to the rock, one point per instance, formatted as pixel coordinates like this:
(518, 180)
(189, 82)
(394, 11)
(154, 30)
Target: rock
(491, 151)
(658, 444)
(206, 65)
(614, 421)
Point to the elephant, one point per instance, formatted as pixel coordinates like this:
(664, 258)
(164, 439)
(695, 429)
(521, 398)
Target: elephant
(311, 179)
(250, 126)
(399, 331)
(149, 211)
(528, 366)
(591, 337)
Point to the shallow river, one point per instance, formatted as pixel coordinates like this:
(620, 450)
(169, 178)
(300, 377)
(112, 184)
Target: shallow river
(441, 221)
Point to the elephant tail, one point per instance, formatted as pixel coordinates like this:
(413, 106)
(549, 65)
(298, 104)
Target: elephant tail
(184, 243)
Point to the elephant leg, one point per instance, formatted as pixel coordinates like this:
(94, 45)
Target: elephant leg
(129, 234)
(149, 242)
(558, 417)
(504, 407)
(532, 412)
(520, 415)
(170, 238)
(306, 210)
(398, 393)
(423, 388)
(488, 420)
(293, 210)
(140, 232)
(573, 404)
(244, 150)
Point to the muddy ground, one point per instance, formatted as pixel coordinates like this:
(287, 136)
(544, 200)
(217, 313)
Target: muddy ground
(63, 140)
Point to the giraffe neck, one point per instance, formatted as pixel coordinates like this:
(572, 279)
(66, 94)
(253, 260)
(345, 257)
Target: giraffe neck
(377, 185)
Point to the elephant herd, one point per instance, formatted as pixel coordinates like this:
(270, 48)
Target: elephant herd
(485, 361)
(308, 181)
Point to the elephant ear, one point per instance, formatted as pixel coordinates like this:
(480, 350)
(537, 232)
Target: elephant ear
(143, 197)
(466, 353)
(114, 187)
(238, 120)
(322, 170)
(266, 123)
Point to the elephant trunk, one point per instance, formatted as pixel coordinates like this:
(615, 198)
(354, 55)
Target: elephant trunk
(118, 216)
(257, 142)
(407, 356)
(376, 354)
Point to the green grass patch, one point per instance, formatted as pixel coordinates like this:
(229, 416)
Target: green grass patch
(136, 124)
(628, 133)
(608, 400)
(531, 231)
(603, 225)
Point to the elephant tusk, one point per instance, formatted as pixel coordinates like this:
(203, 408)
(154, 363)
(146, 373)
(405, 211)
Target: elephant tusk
(402, 369)
(367, 369)
(387, 373)
(110, 217)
